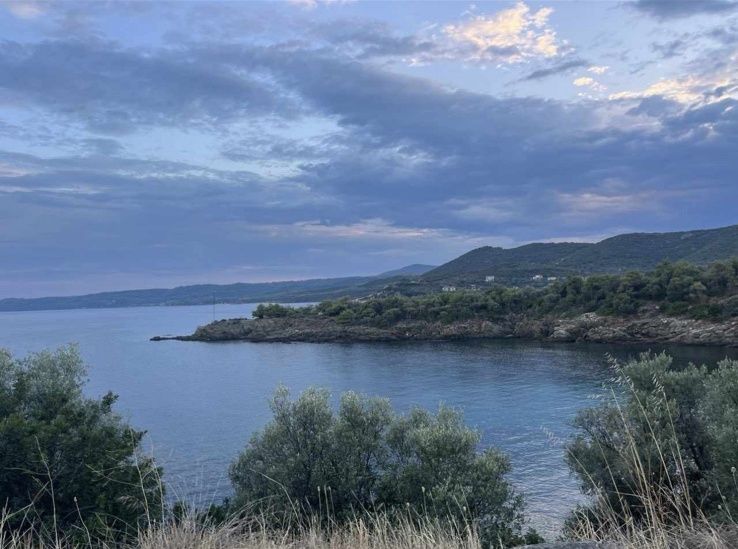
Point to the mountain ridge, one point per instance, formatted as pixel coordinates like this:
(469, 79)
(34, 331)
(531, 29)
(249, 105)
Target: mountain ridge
(616, 254)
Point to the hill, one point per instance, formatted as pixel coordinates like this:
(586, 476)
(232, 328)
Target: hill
(415, 269)
(622, 253)
(286, 292)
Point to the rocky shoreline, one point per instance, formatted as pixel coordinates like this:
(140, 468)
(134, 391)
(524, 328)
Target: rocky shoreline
(645, 328)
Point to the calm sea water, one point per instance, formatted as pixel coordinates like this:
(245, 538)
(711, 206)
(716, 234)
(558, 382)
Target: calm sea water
(200, 402)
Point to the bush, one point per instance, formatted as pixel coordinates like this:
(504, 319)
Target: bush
(310, 460)
(66, 461)
(273, 310)
(666, 449)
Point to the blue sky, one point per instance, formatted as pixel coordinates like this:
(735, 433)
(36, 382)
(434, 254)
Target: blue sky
(153, 145)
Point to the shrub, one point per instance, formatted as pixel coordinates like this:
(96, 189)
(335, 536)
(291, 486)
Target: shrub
(68, 462)
(310, 459)
(273, 310)
(666, 449)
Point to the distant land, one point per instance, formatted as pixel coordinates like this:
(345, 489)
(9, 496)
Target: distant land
(287, 292)
(510, 266)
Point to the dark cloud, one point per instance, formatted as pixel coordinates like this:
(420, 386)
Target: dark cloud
(560, 68)
(368, 39)
(670, 49)
(673, 9)
(727, 33)
(115, 91)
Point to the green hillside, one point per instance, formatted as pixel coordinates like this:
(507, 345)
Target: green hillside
(627, 252)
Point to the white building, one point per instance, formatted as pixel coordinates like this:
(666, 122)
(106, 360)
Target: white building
(489, 278)
(552, 278)
(537, 277)
(448, 289)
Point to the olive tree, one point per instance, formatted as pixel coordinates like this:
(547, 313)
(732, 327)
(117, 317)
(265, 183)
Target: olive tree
(310, 460)
(69, 463)
(666, 442)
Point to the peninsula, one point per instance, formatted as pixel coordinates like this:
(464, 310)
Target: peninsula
(675, 303)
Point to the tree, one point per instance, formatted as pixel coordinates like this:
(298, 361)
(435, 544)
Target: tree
(310, 459)
(666, 444)
(69, 462)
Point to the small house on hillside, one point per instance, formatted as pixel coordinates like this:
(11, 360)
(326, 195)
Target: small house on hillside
(537, 277)
(489, 278)
(448, 289)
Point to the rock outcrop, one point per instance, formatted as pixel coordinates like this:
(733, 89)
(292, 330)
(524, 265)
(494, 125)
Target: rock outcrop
(649, 327)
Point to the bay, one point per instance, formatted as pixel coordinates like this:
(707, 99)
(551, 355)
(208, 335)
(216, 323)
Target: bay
(200, 402)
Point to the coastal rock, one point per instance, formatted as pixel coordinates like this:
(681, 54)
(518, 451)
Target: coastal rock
(586, 327)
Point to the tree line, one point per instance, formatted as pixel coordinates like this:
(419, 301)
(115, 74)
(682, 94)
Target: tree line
(702, 292)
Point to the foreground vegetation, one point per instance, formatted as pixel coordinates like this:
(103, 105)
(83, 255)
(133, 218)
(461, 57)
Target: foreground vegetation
(662, 456)
(709, 292)
(657, 458)
(367, 458)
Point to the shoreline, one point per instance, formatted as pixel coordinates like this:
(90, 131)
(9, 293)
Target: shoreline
(587, 327)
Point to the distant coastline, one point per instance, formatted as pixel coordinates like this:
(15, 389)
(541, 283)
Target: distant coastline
(531, 265)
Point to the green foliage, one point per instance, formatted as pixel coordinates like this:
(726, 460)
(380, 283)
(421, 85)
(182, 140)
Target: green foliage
(310, 459)
(273, 310)
(670, 444)
(676, 289)
(68, 462)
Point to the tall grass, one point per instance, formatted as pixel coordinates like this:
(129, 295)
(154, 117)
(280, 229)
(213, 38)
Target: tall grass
(367, 532)
(651, 516)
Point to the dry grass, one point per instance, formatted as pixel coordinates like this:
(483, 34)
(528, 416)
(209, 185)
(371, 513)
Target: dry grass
(667, 516)
(363, 533)
(371, 533)
(375, 532)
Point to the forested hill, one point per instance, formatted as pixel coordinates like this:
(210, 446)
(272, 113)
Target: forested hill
(626, 252)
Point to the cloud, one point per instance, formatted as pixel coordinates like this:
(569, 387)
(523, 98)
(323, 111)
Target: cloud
(688, 89)
(116, 91)
(311, 4)
(594, 203)
(674, 9)
(598, 69)
(512, 35)
(670, 49)
(24, 9)
(364, 229)
(559, 68)
(588, 82)
(372, 39)
(231, 152)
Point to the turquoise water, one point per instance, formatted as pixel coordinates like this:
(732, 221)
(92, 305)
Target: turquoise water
(200, 402)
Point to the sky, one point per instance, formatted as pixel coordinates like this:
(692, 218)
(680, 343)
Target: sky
(159, 144)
